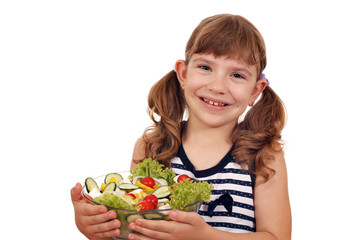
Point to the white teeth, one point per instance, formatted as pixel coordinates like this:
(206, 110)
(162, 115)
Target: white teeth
(213, 103)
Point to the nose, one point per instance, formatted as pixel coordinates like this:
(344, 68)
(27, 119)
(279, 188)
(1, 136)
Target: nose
(217, 84)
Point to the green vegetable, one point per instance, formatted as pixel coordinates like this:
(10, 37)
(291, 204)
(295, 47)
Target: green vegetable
(90, 184)
(128, 186)
(162, 192)
(133, 217)
(117, 176)
(110, 187)
(114, 201)
(188, 192)
(154, 216)
(152, 168)
(160, 182)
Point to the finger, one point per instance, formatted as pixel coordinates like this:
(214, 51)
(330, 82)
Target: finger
(109, 234)
(156, 225)
(99, 218)
(133, 236)
(76, 192)
(87, 209)
(157, 229)
(185, 217)
(148, 233)
(105, 229)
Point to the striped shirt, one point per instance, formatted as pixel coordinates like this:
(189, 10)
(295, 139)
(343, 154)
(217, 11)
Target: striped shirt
(227, 177)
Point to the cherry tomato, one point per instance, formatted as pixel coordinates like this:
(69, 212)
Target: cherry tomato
(182, 178)
(131, 195)
(148, 181)
(151, 198)
(144, 205)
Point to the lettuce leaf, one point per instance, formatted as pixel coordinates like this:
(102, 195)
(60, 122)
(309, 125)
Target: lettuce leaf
(189, 192)
(112, 200)
(152, 168)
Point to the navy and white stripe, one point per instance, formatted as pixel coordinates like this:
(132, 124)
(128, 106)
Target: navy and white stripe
(227, 177)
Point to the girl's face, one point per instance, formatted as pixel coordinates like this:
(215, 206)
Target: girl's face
(218, 89)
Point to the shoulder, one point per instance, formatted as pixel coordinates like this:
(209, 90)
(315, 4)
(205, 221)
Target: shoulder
(274, 160)
(277, 159)
(138, 152)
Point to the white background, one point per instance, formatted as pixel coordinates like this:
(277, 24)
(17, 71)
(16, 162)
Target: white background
(74, 82)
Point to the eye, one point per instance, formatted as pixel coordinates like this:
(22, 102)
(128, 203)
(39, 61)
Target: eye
(204, 67)
(238, 75)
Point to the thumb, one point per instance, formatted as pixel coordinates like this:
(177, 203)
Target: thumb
(185, 217)
(76, 192)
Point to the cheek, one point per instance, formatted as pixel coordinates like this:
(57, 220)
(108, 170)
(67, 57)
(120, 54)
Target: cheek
(241, 98)
(192, 86)
(189, 92)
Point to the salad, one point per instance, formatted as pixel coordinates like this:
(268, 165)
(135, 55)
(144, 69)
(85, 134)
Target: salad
(150, 191)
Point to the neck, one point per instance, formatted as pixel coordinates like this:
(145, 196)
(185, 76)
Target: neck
(206, 135)
(205, 146)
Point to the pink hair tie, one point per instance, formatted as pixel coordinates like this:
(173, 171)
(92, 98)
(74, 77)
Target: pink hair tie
(262, 76)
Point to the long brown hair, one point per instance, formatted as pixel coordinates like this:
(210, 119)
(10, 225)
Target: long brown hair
(236, 37)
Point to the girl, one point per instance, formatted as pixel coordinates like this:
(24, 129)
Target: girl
(220, 77)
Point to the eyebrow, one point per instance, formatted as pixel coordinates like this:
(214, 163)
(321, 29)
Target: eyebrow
(199, 59)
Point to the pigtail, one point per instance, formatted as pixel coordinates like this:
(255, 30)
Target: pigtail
(166, 107)
(260, 128)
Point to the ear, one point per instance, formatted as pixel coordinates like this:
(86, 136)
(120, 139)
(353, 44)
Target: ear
(180, 69)
(259, 87)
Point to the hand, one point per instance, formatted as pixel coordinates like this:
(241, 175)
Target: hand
(93, 220)
(185, 225)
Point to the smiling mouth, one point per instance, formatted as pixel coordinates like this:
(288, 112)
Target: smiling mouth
(214, 103)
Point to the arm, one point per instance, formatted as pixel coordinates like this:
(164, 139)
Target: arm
(138, 153)
(272, 212)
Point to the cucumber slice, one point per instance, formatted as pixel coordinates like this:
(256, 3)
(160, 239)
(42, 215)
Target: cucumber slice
(133, 217)
(160, 204)
(153, 216)
(128, 186)
(110, 187)
(117, 176)
(90, 184)
(160, 181)
(162, 192)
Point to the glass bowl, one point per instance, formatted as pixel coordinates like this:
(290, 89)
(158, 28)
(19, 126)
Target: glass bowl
(129, 216)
